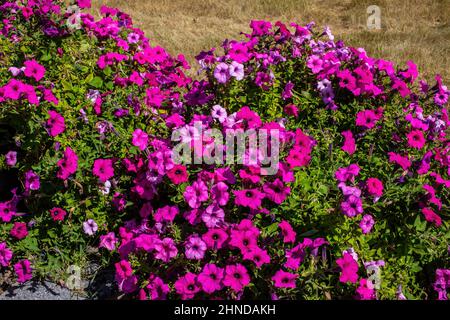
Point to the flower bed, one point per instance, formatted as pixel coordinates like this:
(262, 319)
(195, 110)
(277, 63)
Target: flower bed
(348, 199)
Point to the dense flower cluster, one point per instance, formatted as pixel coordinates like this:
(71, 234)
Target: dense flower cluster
(98, 114)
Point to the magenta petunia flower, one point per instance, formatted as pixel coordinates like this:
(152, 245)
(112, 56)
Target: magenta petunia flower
(57, 214)
(298, 157)
(165, 249)
(431, 216)
(366, 224)
(55, 124)
(32, 181)
(13, 89)
(211, 278)
(108, 241)
(243, 240)
(399, 160)
(258, 256)
(213, 216)
(349, 142)
(248, 118)
(215, 238)
(166, 213)
(11, 158)
(315, 63)
(140, 139)
(7, 211)
(196, 194)
(195, 248)
(123, 270)
(187, 286)
(276, 191)
(347, 80)
(5, 254)
(349, 268)
(23, 271)
(364, 292)
(287, 231)
(291, 110)
(250, 198)
(34, 70)
(178, 174)
(283, 279)
(352, 206)
(348, 191)
(295, 256)
(84, 3)
(374, 187)
(366, 119)
(236, 277)
(441, 98)
(239, 52)
(157, 288)
(287, 91)
(219, 193)
(348, 173)
(416, 139)
(68, 165)
(19, 230)
(103, 169)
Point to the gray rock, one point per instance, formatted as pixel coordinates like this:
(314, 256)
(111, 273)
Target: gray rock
(34, 290)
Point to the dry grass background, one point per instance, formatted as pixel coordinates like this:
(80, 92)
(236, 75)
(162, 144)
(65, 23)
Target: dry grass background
(411, 29)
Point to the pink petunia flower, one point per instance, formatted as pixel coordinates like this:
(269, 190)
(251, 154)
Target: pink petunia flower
(276, 191)
(374, 187)
(32, 181)
(19, 230)
(431, 216)
(283, 279)
(140, 139)
(349, 268)
(108, 241)
(258, 256)
(178, 174)
(196, 194)
(250, 198)
(366, 224)
(211, 278)
(195, 248)
(34, 70)
(5, 254)
(103, 169)
(11, 158)
(23, 271)
(236, 277)
(416, 139)
(366, 119)
(157, 288)
(287, 231)
(58, 214)
(349, 142)
(55, 124)
(68, 165)
(215, 238)
(187, 286)
(165, 249)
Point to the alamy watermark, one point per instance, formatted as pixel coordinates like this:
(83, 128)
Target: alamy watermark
(252, 147)
(374, 18)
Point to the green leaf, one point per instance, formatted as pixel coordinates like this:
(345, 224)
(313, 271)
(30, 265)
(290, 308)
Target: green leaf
(97, 82)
